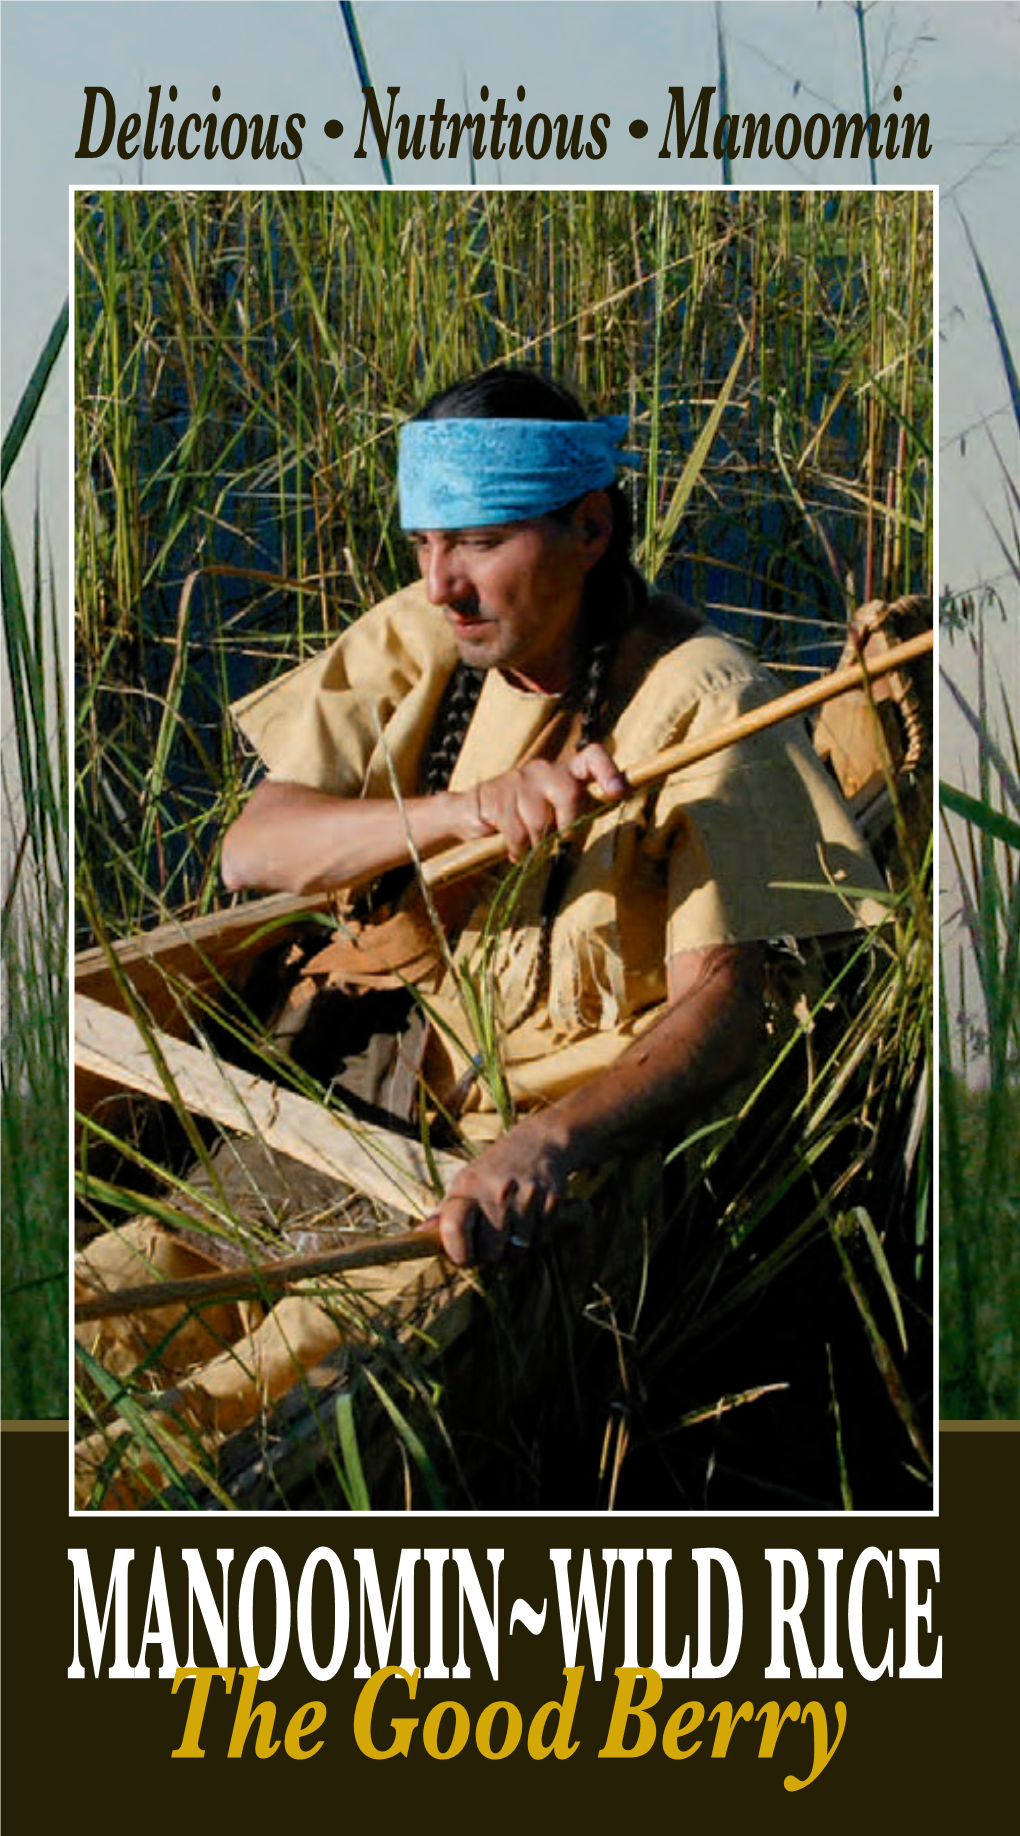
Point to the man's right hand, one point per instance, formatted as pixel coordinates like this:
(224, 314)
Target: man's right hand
(543, 797)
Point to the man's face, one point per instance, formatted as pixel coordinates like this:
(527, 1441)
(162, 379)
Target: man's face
(512, 593)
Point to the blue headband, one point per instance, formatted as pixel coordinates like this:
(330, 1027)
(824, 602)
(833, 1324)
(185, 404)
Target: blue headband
(469, 474)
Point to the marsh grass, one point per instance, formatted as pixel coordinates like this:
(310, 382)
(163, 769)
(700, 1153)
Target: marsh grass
(242, 362)
(34, 946)
(979, 1010)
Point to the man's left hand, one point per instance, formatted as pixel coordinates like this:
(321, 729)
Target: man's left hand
(503, 1198)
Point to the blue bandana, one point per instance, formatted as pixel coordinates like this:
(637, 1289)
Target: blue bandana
(470, 474)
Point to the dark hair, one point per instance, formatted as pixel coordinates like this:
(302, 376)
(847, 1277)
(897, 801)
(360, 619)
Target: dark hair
(614, 591)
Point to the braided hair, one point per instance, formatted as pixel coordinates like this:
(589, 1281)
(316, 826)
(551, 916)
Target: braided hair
(614, 591)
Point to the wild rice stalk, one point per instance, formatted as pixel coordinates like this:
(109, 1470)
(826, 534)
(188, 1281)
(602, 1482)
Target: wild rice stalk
(34, 945)
(980, 1040)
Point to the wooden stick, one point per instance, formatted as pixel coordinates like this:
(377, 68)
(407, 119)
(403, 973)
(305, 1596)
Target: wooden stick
(262, 1277)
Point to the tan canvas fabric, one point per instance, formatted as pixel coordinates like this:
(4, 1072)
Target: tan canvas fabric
(754, 844)
(321, 723)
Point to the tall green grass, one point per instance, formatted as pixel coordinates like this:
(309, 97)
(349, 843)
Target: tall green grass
(242, 363)
(35, 943)
(980, 1003)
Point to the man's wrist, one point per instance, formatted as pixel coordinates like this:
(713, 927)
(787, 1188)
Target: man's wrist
(464, 813)
(553, 1133)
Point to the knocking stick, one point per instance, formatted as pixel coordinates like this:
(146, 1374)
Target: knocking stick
(261, 1277)
(470, 857)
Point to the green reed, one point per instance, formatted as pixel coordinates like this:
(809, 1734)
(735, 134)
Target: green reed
(243, 360)
(35, 943)
(979, 1007)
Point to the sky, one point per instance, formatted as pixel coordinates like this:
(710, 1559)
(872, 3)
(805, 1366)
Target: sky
(960, 63)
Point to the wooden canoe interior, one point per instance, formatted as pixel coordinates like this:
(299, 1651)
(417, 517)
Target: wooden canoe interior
(163, 969)
(161, 965)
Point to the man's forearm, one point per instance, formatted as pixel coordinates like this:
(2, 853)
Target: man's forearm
(291, 838)
(707, 1039)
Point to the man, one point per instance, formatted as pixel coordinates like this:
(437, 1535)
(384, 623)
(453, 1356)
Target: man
(512, 511)
(506, 694)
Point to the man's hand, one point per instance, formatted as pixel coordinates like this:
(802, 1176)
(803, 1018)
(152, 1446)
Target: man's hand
(529, 803)
(504, 1197)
